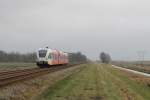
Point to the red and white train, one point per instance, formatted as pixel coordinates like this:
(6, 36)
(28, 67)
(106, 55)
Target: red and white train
(46, 56)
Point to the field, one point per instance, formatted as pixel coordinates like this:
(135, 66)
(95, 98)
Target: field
(92, 81)
(12, 66)
(30, 88)
(144, 67)
(99, 82)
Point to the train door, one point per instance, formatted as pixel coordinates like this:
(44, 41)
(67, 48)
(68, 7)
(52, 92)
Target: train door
(50, 58)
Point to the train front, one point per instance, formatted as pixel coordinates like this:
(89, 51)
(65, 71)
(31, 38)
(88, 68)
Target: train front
(41, 57)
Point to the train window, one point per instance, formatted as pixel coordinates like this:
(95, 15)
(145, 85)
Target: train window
(50, 56)
(42, 53)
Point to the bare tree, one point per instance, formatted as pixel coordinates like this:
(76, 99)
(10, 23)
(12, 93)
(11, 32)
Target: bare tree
(105, 58)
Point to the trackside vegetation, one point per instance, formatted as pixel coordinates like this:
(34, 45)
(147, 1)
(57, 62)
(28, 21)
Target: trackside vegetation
(18, 65)
(97, 82)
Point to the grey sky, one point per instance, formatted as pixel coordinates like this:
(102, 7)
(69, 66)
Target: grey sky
(120, 27)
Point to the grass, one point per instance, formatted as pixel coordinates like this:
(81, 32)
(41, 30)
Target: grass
(16, 65)
(30, 89)
(97, 82)
(142, 89)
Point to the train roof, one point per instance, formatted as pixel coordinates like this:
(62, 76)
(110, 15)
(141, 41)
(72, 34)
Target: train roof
(52, 50)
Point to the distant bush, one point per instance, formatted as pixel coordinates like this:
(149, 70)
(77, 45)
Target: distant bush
(105, 58)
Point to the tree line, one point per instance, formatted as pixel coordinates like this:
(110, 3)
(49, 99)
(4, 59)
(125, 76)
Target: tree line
(31, 57)
(17, 57)
(77, 57)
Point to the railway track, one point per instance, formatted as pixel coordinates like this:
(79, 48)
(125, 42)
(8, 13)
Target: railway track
(8, 77)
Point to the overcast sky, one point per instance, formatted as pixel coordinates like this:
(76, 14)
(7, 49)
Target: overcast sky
(119, 27)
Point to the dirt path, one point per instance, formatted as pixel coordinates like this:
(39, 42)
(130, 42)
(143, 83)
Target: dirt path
(133, 71)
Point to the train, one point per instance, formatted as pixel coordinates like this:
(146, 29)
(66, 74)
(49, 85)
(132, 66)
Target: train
(51, 57)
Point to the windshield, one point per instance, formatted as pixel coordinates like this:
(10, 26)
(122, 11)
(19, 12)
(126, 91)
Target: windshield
(42, 53)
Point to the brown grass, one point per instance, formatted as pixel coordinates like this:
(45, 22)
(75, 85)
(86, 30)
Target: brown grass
(138, 78)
